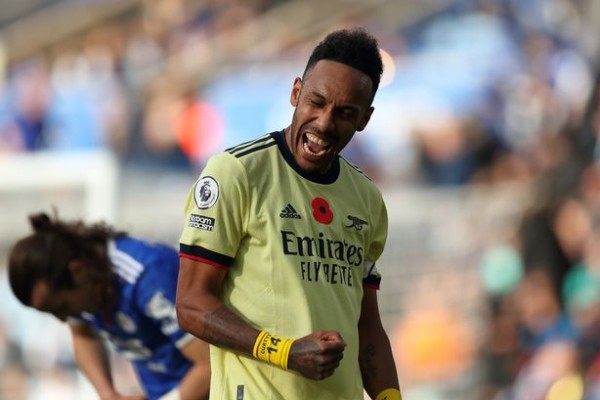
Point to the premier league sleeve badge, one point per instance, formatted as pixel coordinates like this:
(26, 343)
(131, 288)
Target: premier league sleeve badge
(206, 192)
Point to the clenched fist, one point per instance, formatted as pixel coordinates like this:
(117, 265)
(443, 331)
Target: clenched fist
(316, 356)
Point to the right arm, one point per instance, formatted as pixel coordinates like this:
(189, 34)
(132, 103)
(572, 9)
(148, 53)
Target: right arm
(201, 312)
(92, 359)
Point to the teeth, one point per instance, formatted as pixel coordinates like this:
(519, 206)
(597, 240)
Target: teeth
(317, 140)
(308, 150)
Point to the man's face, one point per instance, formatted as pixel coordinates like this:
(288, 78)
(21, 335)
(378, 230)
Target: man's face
(63, 303)
(332, 103)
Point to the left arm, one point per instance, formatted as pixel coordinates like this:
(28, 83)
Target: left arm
(375, 356)
(196, 383)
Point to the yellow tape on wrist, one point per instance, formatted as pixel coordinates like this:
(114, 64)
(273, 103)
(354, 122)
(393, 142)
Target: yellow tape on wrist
(389, 394)
(272, 349)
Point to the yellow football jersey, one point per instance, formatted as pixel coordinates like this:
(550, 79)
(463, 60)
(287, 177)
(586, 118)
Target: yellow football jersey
(298, 248)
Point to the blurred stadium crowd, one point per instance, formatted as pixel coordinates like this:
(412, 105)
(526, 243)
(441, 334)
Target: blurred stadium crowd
(494, 99)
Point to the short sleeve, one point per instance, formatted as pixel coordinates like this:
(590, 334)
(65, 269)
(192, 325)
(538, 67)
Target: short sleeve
(371, 276)
(156, 293)
(216, 212)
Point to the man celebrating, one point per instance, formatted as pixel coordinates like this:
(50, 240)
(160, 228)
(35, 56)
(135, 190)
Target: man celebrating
(279, 276)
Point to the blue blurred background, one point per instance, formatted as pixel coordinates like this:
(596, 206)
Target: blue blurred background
(483, 142)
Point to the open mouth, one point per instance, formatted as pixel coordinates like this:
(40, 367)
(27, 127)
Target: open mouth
(314, 145)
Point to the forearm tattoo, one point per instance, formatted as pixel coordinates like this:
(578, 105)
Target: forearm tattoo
(368, 366)
(224, 328)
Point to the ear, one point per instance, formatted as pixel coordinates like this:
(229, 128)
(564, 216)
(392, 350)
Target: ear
(295, 95)
(78, 271)
(365, 119)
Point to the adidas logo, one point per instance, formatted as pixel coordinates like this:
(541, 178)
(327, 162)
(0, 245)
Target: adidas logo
(289, 212)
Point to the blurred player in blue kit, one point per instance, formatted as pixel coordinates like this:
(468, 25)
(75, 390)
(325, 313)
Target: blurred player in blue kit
(108, 285)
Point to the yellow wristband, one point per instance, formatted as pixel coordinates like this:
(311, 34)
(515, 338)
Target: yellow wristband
(272, 349)
(389, 394)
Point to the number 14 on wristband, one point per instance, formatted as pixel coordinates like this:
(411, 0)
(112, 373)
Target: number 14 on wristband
(272, 349)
